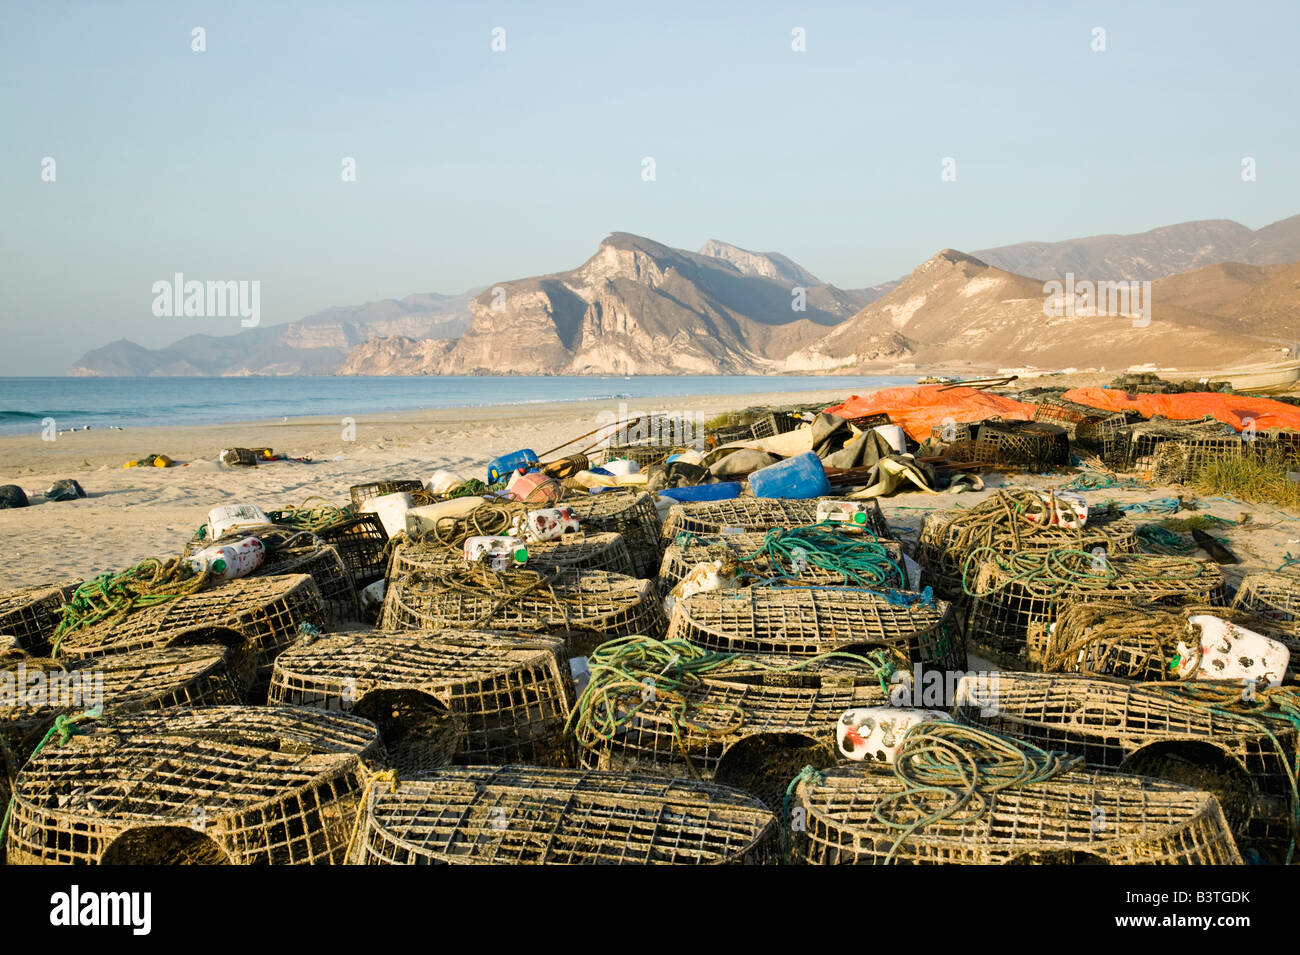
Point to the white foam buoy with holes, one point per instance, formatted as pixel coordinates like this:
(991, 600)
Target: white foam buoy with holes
(545, 524)
(229, 561)
(875, 733)
(1226, 651)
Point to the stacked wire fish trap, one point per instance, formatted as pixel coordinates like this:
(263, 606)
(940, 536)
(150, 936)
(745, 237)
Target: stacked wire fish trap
(255, 617)
(478, 598)
(32, 615)
(674, 707)
(809, 621)
(577, 551)
(361, 493)
(630, 514)
(1136, 445)
(1273, 596)
(754, 514)
(812, 555)
(237, 785)
(860, 816)
(1024, 444)
(643, 455)
(1091, 428)
(774, 423)
(1013, 593)
(1201, 734)
(1176, 462)
(1001, 525)
(474, 697)
(524, 815)
(360, 539)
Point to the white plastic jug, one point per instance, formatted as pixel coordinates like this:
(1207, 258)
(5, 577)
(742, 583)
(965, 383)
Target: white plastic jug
(442, 482)
(1229, 652)
(854, 513)
(545, 524)
(233, 517)
(372, 596)
(498, 551)
(875, 733)
(228, 561)
(423, 518)
(391, 509)
(621, 466)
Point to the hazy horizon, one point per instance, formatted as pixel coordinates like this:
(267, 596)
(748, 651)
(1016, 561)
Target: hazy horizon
(475, 166)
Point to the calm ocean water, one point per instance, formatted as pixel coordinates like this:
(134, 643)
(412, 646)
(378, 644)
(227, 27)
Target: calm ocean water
(140, 402)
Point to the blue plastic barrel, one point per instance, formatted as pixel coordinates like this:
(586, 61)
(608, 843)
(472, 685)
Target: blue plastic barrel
(798, 478)
(501, 467)
(723, 491)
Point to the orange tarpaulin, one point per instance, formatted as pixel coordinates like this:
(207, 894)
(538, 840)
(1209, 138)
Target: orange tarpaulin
(920, 409)
(1236, 410)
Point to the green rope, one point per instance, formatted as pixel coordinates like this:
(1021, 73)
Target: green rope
(64, 727)
(1161, 540)
(1053, 574)
(110, 597)
(862, 560)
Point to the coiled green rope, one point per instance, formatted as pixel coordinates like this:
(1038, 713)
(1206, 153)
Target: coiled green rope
(111, 597)
(861, 560)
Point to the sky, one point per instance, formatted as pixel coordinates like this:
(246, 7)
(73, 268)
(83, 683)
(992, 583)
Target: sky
(476, 165)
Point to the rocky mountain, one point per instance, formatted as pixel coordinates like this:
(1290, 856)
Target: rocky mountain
(1154, 254)
(639, 307)
(316, 345)
(958, 310)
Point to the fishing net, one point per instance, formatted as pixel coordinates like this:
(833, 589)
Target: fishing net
(525, 815)
(477, 697)
(228, 785)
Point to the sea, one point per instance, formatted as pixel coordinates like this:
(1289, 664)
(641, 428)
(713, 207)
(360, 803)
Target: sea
(26, 403)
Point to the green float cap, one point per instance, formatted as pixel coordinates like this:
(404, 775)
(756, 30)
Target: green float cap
(860, 517)
(218, 566)
(521, 555)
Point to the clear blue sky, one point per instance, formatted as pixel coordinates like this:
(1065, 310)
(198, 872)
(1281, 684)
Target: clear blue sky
(475, 167)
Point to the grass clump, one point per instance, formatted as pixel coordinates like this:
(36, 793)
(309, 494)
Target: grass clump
(1257, 480)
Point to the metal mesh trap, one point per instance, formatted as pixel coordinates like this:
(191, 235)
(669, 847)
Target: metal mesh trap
(360, 493)
(1175, 462)
(749, 553)
(524, 815)
(580, 551)
(220, 785)
(807, 621)
(505, 697)
(1273, 596)
(774, 423)
(32, 615)
(1025, 444)
(1075, 818)
(630, 514)
(1084, 424)
(754, 514)
(523, 600)
(1134, 446)
(644, 455)
(256, 617)
(1012, 594)
(1140, 729)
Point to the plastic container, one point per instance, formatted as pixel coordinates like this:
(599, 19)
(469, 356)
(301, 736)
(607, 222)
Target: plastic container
(796, 478)
(228, 561)
(875, 733)
(501, 467)
(853, 513)
(894, 435)
(533, 487)
(704, 576)
(1229, 652)
(498, 551)
(441, 482)
(372, 597)
(391, 509)
(723, 491)
(233, 517)
(621, 466)
(546, 524)
(423, 518)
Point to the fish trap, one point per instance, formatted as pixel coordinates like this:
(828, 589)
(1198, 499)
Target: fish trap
(475, 697)
(1010, 594)
(1175, 462)
(717, 726)
(880, 563)
(1075, 818)
(644, 455)
(869, 421)
(1135, 445)
(219, 785)
(630, 514)
(1083, 424)
(593, 601)
(1132, 642)
(256, 617)
(730, 434)
(755, 514)
(360, 493)
(1025, 444)
(525, 815)
(948, 538)
(808, 621)
(774, 423)
(362, 543)
(1276, 445)
(1147, 731)
(32, 615)
(1273, 596)
(580, 551)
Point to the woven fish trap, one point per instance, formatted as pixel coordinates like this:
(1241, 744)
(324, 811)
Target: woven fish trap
(1276, 445)
(1025, 444)
(1137, 453)
(748, 554)
(218, 785)
(728, 434)
(754, 515)
(1149, 730)
(505, 696)
(523, 600)
(362, 543)
(255, 617)
(1075, 818)
(728, 725)
(32, 615)
(948, 538)
(1010, 594)
(808, 621)
(1275, 596)
(1175, 462)
(1084, 424)
(644, 455)
(631, 514)
(1128, 641)
(360, 493)
(526, 815)
(774, 423)
(580, 551)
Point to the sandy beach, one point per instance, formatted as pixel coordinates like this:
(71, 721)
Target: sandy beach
(134, 513)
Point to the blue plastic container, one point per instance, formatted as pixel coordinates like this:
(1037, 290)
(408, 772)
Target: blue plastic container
(501, 467)
(796, 478)
(723, 491)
